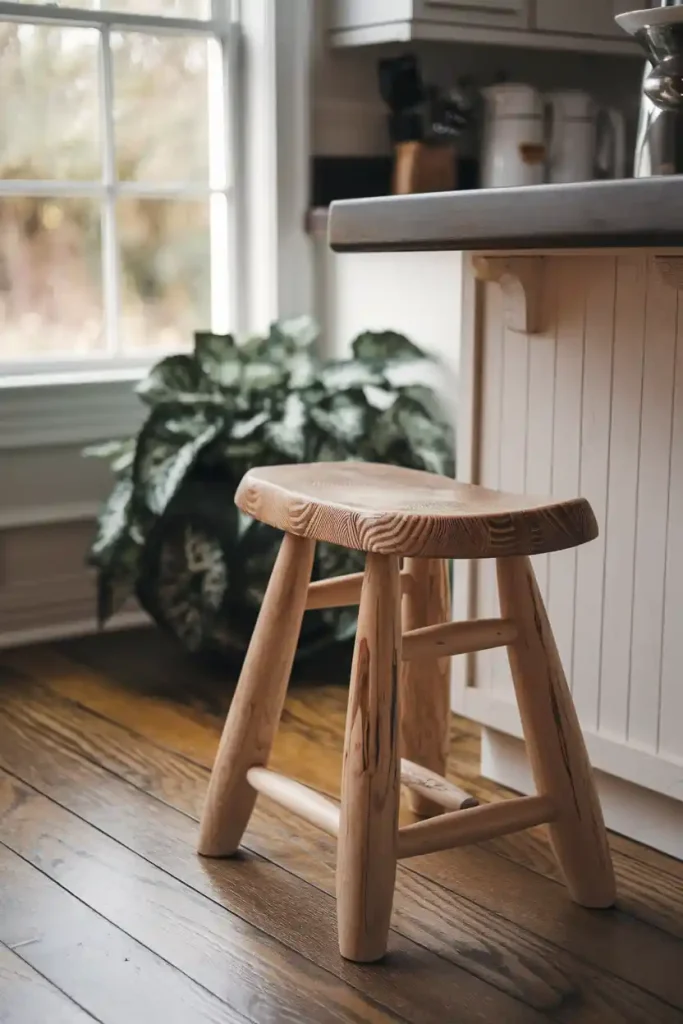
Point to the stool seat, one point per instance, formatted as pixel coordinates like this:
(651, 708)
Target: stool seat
(393, 511)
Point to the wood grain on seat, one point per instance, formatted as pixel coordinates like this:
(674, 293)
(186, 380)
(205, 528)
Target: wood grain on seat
(389, 510)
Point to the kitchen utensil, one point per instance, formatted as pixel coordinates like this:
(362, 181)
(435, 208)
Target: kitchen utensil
(514, 137)
(584, 141)
(659, 142)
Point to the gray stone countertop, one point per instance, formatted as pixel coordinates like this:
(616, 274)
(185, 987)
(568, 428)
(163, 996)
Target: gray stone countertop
(641, 213)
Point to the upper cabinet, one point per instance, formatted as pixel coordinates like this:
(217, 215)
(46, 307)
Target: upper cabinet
(498, 13)
(584, 17)
(586, 26)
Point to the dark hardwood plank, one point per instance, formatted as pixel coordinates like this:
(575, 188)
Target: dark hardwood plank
(28, 998)
(507, 956)
(101, 968)
(414, 983)
(249, 970)
(608, 940)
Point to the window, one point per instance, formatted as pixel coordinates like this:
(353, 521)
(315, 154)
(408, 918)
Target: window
(115, 183)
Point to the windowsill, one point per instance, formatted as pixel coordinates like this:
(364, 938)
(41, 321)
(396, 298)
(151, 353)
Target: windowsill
(69, 378)
(69, 408)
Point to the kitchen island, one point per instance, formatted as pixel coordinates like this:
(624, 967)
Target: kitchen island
(571, 382)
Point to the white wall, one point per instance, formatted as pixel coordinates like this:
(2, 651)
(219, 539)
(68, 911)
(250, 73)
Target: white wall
(417, 294)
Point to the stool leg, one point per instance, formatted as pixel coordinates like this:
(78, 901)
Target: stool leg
(554, 741)
(366, 856)
(257, 705)
(425, 684)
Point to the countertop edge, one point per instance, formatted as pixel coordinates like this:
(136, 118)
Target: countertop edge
(632, 213)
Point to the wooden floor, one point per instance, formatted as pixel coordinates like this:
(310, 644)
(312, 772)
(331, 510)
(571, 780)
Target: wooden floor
(107, 914)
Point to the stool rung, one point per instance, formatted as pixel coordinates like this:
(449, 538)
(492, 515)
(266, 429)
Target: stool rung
(310, 805)
(433, 786)
(448, 638)
(339, 591)
(458, 828)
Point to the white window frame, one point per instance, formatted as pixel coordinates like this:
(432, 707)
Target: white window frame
(218, 190)
(268, 51)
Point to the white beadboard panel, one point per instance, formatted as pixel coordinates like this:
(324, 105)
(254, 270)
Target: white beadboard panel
(596, 408)
(593, 405)
(620, 524)
(671, 696)
(540, 401)
(655, 772)
(652, 510)
(493, 374)
(566, 443)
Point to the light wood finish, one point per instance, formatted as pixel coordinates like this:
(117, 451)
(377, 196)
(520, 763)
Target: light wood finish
(452, 638)
(406, 512)
(366, 857)
(96, 724)
(340, 591)
(257, 705)
(425, 684)
(433, 788)
(554, 742)
(297, 798)
(421, 167)
(457, 828)
(521, 281)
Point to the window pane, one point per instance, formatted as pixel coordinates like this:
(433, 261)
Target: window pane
(50, 278)
(165, 272)
(49, 102)
(167, 8)
(160, 107)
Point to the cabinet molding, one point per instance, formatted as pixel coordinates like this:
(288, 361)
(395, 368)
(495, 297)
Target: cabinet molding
(670, 269)
(521, 281)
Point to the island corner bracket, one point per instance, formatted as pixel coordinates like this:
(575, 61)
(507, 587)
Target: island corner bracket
(521, 281)
(670, 269)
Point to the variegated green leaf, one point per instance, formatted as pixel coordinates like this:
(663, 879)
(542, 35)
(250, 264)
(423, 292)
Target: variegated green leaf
(346, 374)
(384, 347)
(262, 376)
(167, 449)
(345, 420)
(219, 358)
(287, 435)
(176, 379)
(303, 330)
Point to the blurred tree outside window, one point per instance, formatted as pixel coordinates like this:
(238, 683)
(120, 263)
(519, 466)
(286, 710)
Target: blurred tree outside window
(114, 185)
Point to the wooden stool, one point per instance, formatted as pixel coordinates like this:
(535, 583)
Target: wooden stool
(395, 514)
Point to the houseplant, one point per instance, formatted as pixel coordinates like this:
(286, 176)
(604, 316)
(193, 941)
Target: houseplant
(170, 532)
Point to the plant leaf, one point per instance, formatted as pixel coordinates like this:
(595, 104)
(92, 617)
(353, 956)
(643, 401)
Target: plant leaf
(176, 378)
(346, 374)
(167, 449)
(219, 358)
(384, 347)
(344, 420)
(303, 330)
(287, 434)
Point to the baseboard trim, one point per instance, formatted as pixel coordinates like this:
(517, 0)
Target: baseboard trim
(644, 769)
(632, 811)
(81, 627)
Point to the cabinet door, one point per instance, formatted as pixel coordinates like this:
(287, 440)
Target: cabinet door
(496, 13)
(581, 17)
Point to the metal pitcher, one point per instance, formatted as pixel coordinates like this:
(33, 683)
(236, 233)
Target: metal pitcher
(659, 142)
